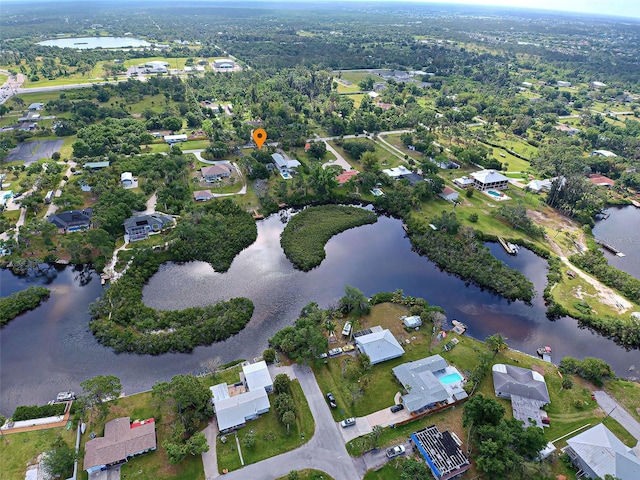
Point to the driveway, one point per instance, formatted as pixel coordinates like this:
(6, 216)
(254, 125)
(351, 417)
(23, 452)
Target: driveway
(338, 161)
(325, 451)
(378, 458)
(210, 458)
(617, 412)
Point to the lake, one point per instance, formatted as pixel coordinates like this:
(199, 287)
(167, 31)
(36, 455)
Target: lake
(51, 348)
(86, 43)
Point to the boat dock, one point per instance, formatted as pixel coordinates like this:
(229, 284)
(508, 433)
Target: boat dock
(610, 248)
(635, 203)
(510, 248)
(257, 215)
(458, 327)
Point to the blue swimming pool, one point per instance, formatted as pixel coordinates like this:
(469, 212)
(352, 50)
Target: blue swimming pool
(493, 193)
(451, 378)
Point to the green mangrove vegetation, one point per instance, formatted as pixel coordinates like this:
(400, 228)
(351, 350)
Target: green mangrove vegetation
(214, 233)
(306, 234)
(20, 302)
(461, 252)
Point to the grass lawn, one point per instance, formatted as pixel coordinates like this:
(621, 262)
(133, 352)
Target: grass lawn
(516, 144)
(19, 449)
(310, 474)
(271, 436)
(154, 465)
(385, 158)
(626, 393)
(357, 99)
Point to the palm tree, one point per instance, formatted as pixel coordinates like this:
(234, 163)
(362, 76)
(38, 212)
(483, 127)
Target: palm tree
(497, 343)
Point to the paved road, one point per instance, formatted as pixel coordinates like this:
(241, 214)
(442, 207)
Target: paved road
(325, 451)
(617, 412)
(378, 458)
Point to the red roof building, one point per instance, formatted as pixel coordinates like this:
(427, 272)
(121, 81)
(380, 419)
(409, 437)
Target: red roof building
(601, 180)
(344, 177)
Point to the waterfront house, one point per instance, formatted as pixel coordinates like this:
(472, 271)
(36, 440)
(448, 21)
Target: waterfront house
(380, 345)
(597, 452)
(256, 375)
(429, 382)
(139, 227)
(72, 220)
(284, 165)
(526, 389)
(122, 440)
(234, 411)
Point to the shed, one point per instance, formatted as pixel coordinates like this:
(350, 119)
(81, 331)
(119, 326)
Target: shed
(126, 178)
(412, 321)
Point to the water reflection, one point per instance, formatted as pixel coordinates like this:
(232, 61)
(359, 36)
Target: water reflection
(51, 349)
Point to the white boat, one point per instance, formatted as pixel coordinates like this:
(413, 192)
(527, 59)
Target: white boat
(83, 427)
(65, 396)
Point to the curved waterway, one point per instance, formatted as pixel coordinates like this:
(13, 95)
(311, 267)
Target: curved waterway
(87, 43)
(51, 348)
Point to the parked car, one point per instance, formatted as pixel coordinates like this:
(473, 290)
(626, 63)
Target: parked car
(322, 355)
(348, 348)
(395, 451)
(546, 420)
(332, 400)
(335, 351)
(397, 408)
(348, 422)
(17, 195)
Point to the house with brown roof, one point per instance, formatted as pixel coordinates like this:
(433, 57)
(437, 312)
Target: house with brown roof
(449, 194)
(601, 180)
(216, 172)
(122, 440)
(344, 177)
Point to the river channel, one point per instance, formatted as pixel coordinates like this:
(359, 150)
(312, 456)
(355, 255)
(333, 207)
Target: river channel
(51, 348)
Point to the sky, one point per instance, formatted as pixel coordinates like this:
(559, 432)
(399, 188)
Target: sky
(620, 8)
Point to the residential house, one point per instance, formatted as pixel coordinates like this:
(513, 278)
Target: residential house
(597, 452)
(442, 452)
(139, 227)
(380, 345)
(463, 182)
(215, 173)
(171, 139)
(234, 411)
(537, 186)
(561, 83)
(489, 180)
(224, 63)
(284, 165)
(122, 440)
(603, 153)
(526, 389)
(72, 220)
(449, 194)
(96, 165)
(36, 106)
(598, 85)
(403, 172)
(566, 129)
(256, 376)
(126, 179)
(601, 180)
(425, 390)
(344, 177)
(202, 195)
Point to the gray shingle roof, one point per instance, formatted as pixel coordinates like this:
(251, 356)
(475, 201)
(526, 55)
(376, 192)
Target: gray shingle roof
(380, 346)
(423, 388)
(509, 380)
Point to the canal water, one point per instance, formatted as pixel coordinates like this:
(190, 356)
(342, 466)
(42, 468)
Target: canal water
(51, 348)
(622, 231)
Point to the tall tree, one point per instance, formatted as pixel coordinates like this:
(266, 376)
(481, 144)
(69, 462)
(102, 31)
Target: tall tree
(100, 389)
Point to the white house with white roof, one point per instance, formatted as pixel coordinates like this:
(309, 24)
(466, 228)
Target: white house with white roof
(256, 375)
(489, 180)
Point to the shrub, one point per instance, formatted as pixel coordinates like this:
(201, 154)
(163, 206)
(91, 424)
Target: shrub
(473, 218)
(269, 355)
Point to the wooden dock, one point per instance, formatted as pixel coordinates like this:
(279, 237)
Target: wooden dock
(507, 247)
(610, 248)
(257, 215)
(635, 203)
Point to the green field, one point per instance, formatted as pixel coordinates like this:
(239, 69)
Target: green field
(18, 449)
